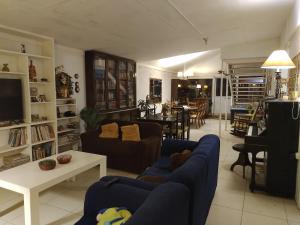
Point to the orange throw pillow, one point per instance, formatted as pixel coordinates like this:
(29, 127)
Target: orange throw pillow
(110, 130)
(131, 133)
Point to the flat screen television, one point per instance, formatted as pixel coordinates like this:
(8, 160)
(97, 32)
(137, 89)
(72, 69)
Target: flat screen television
(11, 100)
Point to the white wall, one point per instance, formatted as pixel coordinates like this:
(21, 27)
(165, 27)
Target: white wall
(250, 50)
(206, 67)
(73, 62)
(143, 75)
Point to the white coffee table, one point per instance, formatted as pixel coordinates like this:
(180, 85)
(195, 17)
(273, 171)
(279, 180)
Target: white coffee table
(29, 180)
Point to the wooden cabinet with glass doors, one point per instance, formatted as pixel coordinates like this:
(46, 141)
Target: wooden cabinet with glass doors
(110, 82)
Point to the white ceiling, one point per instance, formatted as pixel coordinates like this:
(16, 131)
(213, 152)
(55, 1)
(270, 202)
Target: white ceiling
(148, 29)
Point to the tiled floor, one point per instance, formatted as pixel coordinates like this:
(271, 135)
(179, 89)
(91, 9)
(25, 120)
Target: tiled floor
(233, 204)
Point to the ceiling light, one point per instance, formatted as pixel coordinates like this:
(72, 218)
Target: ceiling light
(185, 74)
(177, 60)
(198, 86)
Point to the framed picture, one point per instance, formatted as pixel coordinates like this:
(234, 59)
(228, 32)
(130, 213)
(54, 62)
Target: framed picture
(33, 91)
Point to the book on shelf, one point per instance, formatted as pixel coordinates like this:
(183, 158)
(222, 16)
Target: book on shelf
(42, 151)
(14, 160)
(17, 137)
(41, 133)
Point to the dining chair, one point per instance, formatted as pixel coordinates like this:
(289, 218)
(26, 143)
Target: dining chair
(182, 125)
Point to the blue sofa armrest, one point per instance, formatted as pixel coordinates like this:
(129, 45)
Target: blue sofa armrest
(171, 146)
(168, 204)
(130, 181)
(101, 195)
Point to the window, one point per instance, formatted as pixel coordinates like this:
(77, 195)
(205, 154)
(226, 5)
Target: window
(218, 87)
(155, 90)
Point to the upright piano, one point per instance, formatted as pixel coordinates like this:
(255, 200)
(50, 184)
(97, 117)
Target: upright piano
(279, 140)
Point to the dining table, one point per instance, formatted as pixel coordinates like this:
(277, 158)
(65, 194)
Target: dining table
(169, 121)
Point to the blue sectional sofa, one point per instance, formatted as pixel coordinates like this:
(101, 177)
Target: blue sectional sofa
(199, 174)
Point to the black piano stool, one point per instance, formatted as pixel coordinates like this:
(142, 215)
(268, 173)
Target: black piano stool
(243, 159)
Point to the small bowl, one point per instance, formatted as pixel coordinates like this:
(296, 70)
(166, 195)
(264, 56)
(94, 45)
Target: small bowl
(64, 159)
(48, 164)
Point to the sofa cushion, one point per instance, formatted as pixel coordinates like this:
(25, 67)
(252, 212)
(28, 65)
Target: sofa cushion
(163, 163)
(153, 179)
(110, 130)
(154, 171)
(117, 147)
(131, 133)
(178, 159)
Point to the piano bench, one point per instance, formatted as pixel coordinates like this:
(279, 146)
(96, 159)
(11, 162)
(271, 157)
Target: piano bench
(243, 159)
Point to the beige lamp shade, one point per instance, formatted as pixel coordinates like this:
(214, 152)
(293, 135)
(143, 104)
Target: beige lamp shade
(279, 59)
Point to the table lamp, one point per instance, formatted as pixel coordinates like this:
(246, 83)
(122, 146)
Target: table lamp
(279, 59)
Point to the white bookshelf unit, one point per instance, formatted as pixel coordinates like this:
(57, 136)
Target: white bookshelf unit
(39, 50)
(68, 127)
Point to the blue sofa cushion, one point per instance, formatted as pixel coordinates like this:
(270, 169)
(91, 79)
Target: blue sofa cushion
(171, 146)
(154, 171)
(163, 163)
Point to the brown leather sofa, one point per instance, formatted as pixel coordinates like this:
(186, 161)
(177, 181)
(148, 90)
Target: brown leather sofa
(126, 155)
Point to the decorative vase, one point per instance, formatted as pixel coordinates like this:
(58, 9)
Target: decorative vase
(32, 72)
(164, 111)
(5, 67)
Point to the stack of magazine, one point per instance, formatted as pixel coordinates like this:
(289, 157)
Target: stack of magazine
(14, 160)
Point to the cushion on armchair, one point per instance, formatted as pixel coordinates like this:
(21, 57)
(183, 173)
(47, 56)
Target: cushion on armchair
(110, 130)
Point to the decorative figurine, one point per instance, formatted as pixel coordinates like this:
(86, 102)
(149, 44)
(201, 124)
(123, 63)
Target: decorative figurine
(32, 72)
(23, 49)
(64, 85)
(5, 67)
(77, 88)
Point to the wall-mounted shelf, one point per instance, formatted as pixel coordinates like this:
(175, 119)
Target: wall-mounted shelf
(38, 103)
(42, 122)
(43, 142)
(62, 105)
(12, 73)
(40, 83)
(67, 131)
(8, 52)
(7, 149)
(67, 118)
(14, 126)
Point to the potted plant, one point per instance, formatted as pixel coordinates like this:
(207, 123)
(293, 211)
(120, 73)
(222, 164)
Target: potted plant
(90, 117)
(164, 109)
